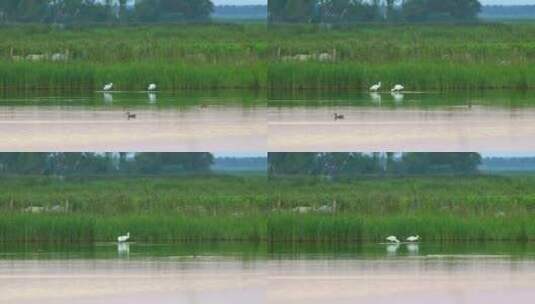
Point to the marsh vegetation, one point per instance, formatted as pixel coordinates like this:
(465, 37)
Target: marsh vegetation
(445, 208)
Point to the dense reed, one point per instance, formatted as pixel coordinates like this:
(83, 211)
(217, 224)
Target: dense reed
(174, 56)
(253, 56)
(422, 57)
(251, 208)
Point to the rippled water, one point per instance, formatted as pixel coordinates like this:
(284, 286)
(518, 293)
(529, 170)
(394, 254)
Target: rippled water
(279, 273)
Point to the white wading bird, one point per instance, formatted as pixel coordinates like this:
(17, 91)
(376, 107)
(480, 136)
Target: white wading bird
(152, 87)
(392, 239)
(397, 88)
(375, 87)
(413, 238)
(123, 238)
(108, 87)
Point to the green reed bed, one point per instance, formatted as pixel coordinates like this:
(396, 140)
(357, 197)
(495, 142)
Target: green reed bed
(268, 228)
(145, 228)
(176, 57)
(81, 76)
(431, 227)
(422, 57)
(414, 76)
(253, 208)
(253, 56)
(191, 195)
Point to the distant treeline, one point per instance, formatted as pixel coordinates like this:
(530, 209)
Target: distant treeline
(349, 11)
(364, 164)
(89, 11)
(103, 163)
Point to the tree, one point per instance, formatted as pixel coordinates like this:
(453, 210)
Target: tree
(153, 163)
(291, 10)
(432, 10)
(292, 163)
(344, 11)
(427, 163)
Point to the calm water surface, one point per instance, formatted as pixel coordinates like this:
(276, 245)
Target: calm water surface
(493, 122)
(243, 121)
(252, 273)
(164, 122)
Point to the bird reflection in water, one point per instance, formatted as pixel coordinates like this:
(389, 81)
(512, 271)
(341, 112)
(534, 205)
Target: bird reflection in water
(108, 98)
(152, 98)
(123, 249)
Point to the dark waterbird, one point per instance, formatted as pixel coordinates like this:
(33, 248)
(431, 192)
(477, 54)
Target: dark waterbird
(131, 115)
(338, 116)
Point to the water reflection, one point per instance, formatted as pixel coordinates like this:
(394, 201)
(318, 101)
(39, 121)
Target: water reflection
(152, 98)
(123, 249)
(108, 97)
(376, 98)
(398, 97)
(163, 123)
(401, 128)
(413, 249)
(392, 249)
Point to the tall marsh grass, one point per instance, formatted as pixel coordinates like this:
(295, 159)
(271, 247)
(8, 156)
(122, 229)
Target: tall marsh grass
(253, 208)
(253, 56)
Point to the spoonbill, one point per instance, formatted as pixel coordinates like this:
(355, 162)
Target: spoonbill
(397, 88)
(152, 87)
(123, 238)
(375, 87)
(338, 116)
(392, 239)
(413, 238)
(108, 87)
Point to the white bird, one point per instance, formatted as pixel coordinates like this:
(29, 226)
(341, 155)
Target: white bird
(152, 87)
(413, 238)
(108, 87)
(123, 238)
(392, 239)
(375, 87)
(397, 88)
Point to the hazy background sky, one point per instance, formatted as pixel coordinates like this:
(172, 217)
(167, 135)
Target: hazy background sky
(244, 2)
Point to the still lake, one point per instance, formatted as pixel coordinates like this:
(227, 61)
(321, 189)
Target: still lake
(195, 122)
(245, 121)
(260, 273)
(411, 121)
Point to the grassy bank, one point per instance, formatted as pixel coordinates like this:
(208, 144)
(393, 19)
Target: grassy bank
(422, 57)
(233, 208)
(268, 228)
(253, 56)
(421, 76)
(173, 56)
